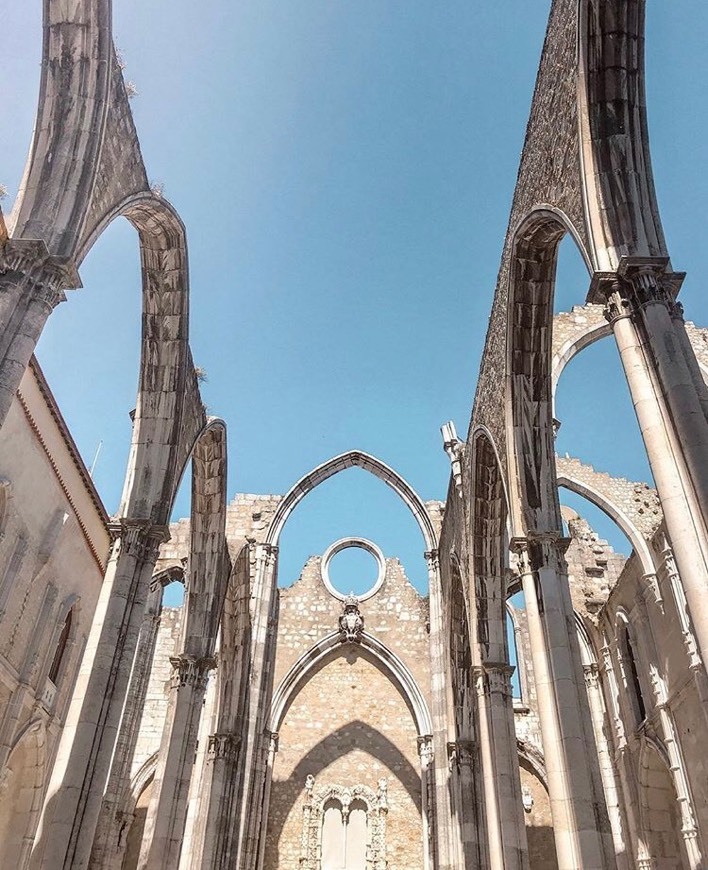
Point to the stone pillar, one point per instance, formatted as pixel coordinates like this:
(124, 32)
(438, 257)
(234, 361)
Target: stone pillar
(425, 753)
(607, 770)
(447, 839)
(270, 763)
(657, 381)
(32, 284)
(77, 785)
(500, 710)
(576, 808)
(167, 813)
(222, 775)
(264, 629)
(106, 853)
(488, 774)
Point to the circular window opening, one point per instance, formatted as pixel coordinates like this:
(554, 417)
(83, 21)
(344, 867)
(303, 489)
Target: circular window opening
(353, 566)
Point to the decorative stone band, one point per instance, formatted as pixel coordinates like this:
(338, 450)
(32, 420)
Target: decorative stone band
(28, 262)
(191, 671)
(223, 745)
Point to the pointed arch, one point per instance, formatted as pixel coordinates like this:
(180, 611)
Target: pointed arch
(615, 513)
(529, 347)
(353, 459)
(389, 662)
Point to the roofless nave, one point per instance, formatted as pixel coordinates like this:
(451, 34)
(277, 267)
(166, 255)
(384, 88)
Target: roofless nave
(267, 728)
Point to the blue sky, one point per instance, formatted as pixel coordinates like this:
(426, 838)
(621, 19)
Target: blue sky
(345, 172)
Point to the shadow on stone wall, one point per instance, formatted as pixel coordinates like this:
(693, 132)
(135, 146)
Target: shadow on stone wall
(356, 735)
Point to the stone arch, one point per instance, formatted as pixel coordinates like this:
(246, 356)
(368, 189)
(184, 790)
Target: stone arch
(659, 816)
(208, 557)
(316, 656)
(529, 343)
(489, 545)
(615, 513)
(521, 665)
(22, 788)
(353, 459)
(137, 802)
(622, 213)
(595, 328)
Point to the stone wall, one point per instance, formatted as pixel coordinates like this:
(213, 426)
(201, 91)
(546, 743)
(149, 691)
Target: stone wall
(54, 543)
(349, 724)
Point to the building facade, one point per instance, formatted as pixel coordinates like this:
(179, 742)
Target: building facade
(265, 726)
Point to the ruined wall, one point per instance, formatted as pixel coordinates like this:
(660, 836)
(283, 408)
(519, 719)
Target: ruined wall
(349, 724)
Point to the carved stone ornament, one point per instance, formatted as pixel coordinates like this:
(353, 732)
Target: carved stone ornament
(351, 622)
(315, 799)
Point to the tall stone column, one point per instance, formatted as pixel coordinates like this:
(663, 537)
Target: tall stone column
(505, 759)
(216, 806)
(447, 840)
(32, 284)
(576, 807)
(167, 813)
(73, 800)
(254, 749)
(425, 753)
(675, 447)
(607, 771)
(106, 854)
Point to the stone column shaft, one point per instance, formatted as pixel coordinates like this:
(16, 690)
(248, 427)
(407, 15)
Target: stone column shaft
(447, 839)
(579, 843)
(486, 754)
(73, 801)
(507, 779)
(223, 759)
(681, 510)
(259, 700)
(106, 854)
(167, 813)
(607, 771)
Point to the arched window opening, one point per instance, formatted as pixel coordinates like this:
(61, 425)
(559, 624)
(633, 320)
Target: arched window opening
(62, 643)
(630, 673)
(634, 676)
(344, 835)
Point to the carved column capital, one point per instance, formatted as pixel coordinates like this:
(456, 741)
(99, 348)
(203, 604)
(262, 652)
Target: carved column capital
(45, 277)
(425, 749)
(592, 675)
(499, 677)
(191, 671)
(224, 745)
(460, 753)
(140, 538)
(432, 557)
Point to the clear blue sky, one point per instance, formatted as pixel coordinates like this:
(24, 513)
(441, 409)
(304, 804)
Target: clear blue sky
(345, 172)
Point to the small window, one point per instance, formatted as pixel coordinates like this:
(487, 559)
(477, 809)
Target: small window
(61, 648)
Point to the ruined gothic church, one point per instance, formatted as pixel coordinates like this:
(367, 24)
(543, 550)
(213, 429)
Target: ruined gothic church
(259, 727)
